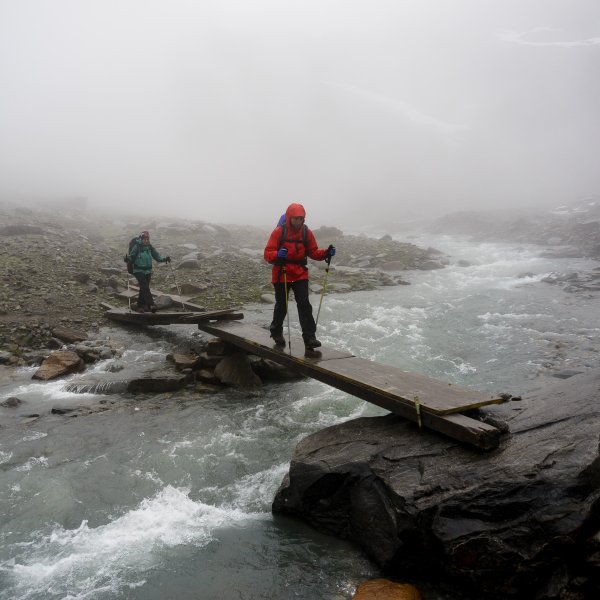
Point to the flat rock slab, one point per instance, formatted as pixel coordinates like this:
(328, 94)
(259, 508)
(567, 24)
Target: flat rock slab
(59, 364)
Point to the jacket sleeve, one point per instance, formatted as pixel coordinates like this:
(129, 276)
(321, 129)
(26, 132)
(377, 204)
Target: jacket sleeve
(312, 249)
(155, 255)
(272, 246)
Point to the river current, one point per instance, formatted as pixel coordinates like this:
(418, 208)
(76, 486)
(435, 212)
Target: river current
(169, 496)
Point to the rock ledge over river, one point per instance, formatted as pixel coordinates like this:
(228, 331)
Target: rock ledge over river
(522, 521)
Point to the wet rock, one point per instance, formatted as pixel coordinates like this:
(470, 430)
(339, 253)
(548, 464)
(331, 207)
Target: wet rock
(55, 343)
(69, 335)
(184, 361)
(566, 373)
(384, 589)
(269, 370)
(501, 523)
(63, 410)
(11, 402)
(58, 364)
(159, 381)
(218, 347)
(209, 361)
(35, 357)
(236, 370)
(207, 376)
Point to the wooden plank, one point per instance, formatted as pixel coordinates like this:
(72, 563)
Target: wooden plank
(163, 317)
(181, 301)
(434, 396)
(326, 368)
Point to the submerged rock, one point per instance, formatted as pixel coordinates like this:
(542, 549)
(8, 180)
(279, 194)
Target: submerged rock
(517, 522)
(11, 402)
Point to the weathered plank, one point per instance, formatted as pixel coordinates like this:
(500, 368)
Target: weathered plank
(352, 375)
(165, 317)
(181, 301)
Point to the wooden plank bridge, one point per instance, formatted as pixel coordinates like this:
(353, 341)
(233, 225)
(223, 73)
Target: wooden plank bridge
(429, 402)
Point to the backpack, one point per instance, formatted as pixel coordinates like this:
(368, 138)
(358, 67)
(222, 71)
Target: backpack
(126, 258)
(283, 239)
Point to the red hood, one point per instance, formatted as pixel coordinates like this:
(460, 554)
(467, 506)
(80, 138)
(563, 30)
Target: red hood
(294, 210)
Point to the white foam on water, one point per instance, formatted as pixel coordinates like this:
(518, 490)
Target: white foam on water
(84, 560)
(34, 461)
(34, 435)
(5, 457)
(254, 492)
(40, 393)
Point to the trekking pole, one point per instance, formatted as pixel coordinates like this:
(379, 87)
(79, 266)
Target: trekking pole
(128, 293)
(177, 285)
(328, 261)
(287, 308)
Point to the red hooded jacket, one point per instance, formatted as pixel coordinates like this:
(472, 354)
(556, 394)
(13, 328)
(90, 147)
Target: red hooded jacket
(297, 251)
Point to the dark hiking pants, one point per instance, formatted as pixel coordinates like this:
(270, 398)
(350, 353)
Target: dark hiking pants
(307, 321)
(144, 297)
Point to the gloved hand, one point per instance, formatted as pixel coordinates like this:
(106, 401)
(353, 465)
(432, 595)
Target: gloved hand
(331, 251)
(282, 252)
(167, 259)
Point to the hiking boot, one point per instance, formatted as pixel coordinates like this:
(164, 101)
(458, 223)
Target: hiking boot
(312, 342)
(153, 308)
(278, 339)
(312, 353)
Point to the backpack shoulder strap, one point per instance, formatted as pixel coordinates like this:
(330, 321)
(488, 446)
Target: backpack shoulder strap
(283, 235)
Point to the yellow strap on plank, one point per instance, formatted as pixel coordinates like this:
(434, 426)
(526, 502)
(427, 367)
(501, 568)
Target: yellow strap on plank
(418, 409)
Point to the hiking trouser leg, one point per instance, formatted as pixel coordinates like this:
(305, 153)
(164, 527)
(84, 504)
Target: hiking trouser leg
(145, 296)
(280, 310)
(305, 313)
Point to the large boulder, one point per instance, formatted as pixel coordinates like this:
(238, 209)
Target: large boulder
(522, 521)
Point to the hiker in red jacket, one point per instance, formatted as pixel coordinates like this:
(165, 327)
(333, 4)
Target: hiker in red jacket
(287, 250)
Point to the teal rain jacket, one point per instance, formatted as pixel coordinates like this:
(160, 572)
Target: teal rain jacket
(141, 255)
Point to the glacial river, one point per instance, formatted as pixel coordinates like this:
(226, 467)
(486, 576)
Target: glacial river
(169, 496)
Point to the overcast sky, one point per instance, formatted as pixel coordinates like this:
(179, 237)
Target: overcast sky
(364, 111)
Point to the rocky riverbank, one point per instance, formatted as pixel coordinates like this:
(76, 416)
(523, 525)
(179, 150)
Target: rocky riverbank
(60, 263)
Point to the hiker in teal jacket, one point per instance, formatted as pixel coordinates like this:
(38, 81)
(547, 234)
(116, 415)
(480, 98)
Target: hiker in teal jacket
(141, 255)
